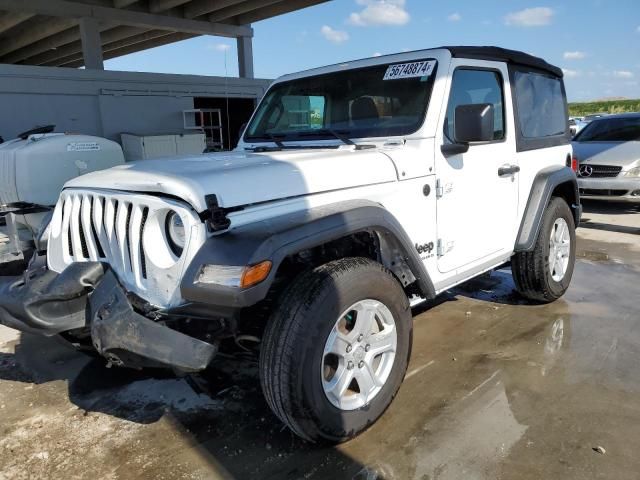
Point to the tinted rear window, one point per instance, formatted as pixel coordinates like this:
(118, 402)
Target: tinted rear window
(540, 102)
(611, 130)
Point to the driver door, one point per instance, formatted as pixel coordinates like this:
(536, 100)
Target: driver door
(476, 207)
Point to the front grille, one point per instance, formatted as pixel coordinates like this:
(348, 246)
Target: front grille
(601, 192)
(100, 228)
(127, 232)
(143, 261)
(601, 171)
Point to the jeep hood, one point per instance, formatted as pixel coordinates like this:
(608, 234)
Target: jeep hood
(240, 178)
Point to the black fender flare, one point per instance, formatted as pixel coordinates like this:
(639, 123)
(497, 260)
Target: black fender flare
(276, 238)
(544, 184)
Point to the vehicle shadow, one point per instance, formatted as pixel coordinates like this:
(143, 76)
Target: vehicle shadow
(496, 286)
(608, 208)
(610, 227)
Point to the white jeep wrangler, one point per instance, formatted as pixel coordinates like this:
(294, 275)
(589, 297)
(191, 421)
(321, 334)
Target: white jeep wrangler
(356, 191)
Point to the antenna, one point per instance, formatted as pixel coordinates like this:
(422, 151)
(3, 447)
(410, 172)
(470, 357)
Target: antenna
(226, 96)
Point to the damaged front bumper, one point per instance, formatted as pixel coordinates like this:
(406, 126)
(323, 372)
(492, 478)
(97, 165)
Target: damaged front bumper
(88, 295)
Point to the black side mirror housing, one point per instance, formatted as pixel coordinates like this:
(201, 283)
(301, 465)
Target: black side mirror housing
(449, 149)
(474, 123)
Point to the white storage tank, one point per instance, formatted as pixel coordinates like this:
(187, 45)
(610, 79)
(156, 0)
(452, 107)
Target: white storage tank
(33, 170)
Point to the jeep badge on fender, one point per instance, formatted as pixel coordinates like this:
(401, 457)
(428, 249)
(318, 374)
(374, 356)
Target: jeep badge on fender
(425, 248)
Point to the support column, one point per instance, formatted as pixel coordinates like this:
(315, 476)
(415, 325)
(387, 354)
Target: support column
(245, 57)
(91, 44)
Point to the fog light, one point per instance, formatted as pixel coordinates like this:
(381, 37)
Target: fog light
(232, 276)
(635, 193)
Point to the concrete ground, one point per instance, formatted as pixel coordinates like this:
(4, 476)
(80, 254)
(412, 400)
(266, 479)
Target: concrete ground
(495, 389)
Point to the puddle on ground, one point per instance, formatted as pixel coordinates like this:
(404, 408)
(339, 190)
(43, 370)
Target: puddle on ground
(620, 253)
(594, 256)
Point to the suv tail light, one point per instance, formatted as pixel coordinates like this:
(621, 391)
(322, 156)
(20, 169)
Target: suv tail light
(573, 163)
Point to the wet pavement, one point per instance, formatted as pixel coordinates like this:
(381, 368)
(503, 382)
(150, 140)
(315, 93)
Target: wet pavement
(496, 388)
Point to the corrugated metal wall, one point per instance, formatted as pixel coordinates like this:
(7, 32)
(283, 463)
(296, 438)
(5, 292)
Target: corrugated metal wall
(107, 103)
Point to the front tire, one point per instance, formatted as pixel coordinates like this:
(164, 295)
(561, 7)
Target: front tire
(336, 349)
(544, 274)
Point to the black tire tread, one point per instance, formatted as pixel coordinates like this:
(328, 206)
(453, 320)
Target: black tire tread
(284, 327)
(529, 268)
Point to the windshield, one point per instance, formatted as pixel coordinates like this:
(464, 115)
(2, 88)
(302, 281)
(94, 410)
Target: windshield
(611, 130)
(383, 100)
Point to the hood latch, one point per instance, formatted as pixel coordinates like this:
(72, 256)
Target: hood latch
(215, 215)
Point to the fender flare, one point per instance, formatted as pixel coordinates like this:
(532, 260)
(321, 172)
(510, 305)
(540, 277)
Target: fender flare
(544, 184)
(276, 238)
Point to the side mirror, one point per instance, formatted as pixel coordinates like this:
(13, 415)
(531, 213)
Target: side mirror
(473, 123)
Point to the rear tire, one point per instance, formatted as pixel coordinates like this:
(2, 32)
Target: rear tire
(299, 372)
(544, 274)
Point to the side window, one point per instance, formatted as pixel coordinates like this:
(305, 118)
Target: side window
(540, 105)
(470, 86)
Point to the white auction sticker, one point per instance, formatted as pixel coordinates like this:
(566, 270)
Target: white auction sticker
(410, 70)
(83, 147)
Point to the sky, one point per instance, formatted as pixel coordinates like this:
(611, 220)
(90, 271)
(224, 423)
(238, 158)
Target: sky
(595, 42)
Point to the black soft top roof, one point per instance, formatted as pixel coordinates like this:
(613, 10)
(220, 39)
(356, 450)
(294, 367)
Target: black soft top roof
(504, 55)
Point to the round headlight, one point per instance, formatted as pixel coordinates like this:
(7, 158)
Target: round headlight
(176, 233)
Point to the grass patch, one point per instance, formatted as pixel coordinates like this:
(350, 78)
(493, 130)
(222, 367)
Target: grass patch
(608, 106)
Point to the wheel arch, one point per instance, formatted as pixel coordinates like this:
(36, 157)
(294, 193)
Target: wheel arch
(278, 239)
(557, 181)
(376, 243)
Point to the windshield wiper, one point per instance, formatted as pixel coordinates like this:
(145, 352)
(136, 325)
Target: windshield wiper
(324, 131)
(339, 134)
(279, 145)
(275, 140)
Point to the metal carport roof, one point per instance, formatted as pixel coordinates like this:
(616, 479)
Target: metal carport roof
(75, 33)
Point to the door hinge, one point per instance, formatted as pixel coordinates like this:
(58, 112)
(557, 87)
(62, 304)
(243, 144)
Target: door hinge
(443, 247)
(442, 188)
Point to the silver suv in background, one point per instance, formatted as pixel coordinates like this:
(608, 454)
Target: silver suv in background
(608, 152)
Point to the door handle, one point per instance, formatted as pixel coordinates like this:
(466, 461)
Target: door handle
(508, 169)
